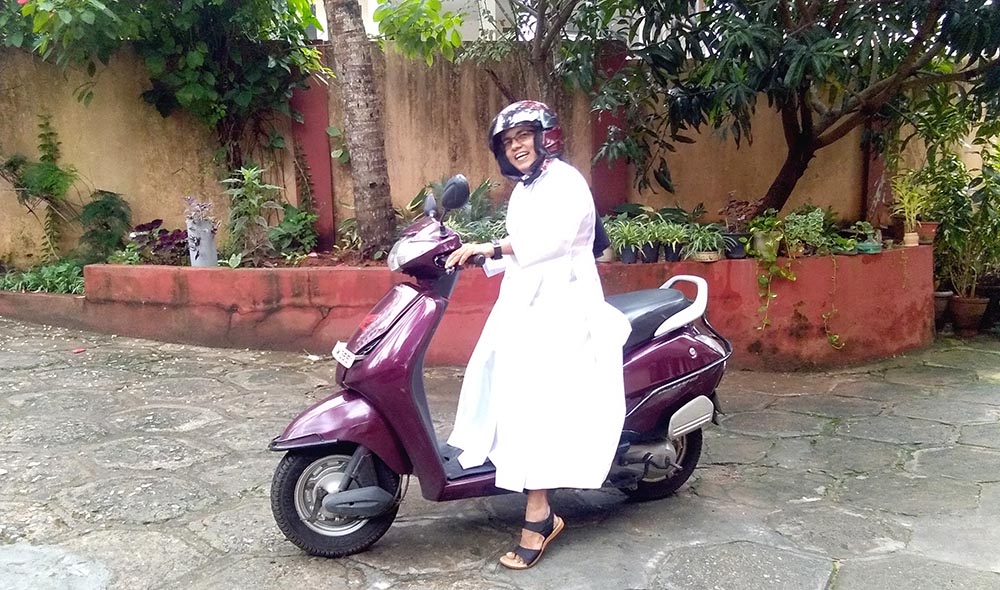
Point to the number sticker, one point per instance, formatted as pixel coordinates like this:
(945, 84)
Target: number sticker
(344, 356)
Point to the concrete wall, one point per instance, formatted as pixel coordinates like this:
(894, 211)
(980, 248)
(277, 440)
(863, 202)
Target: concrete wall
(436, 122)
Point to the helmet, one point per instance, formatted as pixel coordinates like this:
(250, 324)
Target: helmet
(548, 134)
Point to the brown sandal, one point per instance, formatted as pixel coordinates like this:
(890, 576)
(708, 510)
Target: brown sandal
(524, 557)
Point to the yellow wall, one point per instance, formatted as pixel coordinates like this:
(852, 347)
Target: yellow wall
(436, 121)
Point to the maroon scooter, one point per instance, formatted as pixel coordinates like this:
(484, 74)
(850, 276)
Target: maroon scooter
(338, 487)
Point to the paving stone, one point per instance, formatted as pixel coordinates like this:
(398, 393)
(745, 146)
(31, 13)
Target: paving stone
(948, 412)
(930, 377)
(248, 528)
(181, 389)
(913, 573)
(150, 453)
(734, 402)
(833, 455)
(968, 541)
(910, 495)
(163, 418)
(25, 360)
(250, 436)
(275, 572)
(47, 431)
(981, 392)
(838, 532)
(237, 475)
(964, 358)
(274, 379)
(774, 424)
(727, 447)
(906, 431)
(137, 500)
(61, 401)
(742, 566)
(33, 522)
(41, 567)
(777, 384)
(761, 486)
(829, 406)
(139, 560)
(989, 501)
(959, 462)
(877, 390)
(30, 474)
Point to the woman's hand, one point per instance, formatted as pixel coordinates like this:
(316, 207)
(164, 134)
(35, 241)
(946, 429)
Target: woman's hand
(466, 251)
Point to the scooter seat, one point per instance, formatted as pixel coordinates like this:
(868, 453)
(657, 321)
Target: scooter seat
(646, 310)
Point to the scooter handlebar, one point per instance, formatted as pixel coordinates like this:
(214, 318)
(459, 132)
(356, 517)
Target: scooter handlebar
(474, 260)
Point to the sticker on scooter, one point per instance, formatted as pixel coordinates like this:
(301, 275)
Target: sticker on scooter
(344, 356)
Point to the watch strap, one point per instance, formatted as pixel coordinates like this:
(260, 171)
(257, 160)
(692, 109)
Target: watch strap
(497, 252)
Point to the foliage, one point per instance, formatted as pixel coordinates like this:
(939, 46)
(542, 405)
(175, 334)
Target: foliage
(339, 152)
(106, 221)
(198, 212)
(43, 184)
(767, 221)
(704, 237)
(230, 64)
(61, 277)
(151, 243)
(419, 28)
(296, 232)
(805, 229)
(967, 243)
(826, 67)
(250, 200)
(736, 214)
(670, 233)
(912, 199)
(624, 232)
(863, 229)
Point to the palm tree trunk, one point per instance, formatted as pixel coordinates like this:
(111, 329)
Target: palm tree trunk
(362, 104)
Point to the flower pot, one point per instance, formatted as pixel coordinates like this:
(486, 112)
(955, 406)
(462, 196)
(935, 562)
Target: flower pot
(869, 247)
(967, 313)
(736, 245)
(201, 243)
(672, 252)
(911, 239)
(941, 299)
(607, 256)
(628, 255)
(766, 243)
(650, 252)
(927, 230)
(706, 256)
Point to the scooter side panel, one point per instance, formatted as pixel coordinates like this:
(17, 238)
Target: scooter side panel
(344, 416)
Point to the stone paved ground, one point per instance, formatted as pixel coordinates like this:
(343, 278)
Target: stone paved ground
(129, 464)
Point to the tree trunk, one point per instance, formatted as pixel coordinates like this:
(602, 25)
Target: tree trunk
(796, 162)
(352, 56)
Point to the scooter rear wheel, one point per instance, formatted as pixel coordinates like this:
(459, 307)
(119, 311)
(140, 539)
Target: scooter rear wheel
(300, 482)
(661, 483)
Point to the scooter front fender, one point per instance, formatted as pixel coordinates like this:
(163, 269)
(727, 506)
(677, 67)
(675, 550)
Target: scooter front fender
(344, 416)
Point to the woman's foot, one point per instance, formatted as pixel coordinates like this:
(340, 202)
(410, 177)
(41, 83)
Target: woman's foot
(535, 537)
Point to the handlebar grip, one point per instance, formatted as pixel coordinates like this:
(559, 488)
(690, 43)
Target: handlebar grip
(476, 260)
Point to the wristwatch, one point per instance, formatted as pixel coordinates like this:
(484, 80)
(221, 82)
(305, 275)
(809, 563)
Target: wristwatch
(497, 252)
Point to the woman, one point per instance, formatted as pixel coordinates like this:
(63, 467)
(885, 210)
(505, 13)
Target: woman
(543, 397)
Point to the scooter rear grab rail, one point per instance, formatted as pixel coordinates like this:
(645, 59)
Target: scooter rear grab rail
(690, 313)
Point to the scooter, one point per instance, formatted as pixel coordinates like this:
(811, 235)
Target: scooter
(338, 488)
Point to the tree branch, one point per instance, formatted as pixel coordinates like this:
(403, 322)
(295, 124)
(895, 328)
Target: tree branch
(963, 76)
(557, 23)
(504, 89)
(845, 127)
(835, 16)
(785, 15)
(541, 22)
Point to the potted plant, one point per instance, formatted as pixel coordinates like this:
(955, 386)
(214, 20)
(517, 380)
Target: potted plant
(912, 199)
(705, 242)
(201, 228)
(804, 231)
(625, 237)
(867, 237)
(736, 216)
(649, 246)
(766, 231)
(673, 237)
(967, 246)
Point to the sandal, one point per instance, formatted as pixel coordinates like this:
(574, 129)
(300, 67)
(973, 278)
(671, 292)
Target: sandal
(524, 557)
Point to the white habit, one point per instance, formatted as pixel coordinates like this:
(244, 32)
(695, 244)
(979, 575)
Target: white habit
(543, 395)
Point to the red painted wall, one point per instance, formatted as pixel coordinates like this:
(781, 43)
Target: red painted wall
(877, 306)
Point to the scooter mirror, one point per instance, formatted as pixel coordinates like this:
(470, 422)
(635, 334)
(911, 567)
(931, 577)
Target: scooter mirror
(430, 206)
(456, 193)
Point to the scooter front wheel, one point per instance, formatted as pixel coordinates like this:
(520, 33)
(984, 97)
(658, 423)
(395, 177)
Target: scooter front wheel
(303, 479)
(661, 483)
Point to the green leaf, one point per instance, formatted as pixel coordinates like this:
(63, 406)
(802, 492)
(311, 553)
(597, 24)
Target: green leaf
(87, 17)
(16, 39)
(65, 16)
(195, 59)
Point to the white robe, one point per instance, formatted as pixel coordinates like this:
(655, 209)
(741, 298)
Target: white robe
(543, 395)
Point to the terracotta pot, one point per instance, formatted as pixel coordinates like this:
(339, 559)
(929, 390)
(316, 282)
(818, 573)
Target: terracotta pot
(911, 239)
(941, 299)
(926, 230)
(967, 313)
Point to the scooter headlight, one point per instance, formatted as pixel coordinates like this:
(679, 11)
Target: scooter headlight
(403, 252)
